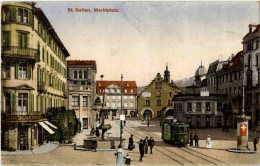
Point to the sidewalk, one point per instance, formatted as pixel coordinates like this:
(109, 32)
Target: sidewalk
(48, 147)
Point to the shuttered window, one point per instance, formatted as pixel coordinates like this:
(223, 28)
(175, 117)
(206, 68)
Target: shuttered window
(23, 39)
(6, 38)
(13, 103)
(7, 15)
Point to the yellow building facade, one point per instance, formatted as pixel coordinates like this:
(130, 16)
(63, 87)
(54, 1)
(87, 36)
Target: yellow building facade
(156, 98)
(33, 74)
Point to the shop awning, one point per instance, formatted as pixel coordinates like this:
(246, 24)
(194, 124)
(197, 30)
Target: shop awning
(48, 123)
(46, 127)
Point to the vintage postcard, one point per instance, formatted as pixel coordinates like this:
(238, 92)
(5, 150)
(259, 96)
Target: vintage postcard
(130, 83)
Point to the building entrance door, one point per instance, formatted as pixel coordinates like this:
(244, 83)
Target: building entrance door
(85, 123)
(23, 137)
(147, 115)
(207, 121)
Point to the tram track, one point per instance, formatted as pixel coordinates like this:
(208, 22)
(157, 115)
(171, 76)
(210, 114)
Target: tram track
(130, 131)
(188, 150)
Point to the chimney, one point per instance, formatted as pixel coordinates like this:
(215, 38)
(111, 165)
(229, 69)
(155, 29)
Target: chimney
(250, 28)
(232, 56)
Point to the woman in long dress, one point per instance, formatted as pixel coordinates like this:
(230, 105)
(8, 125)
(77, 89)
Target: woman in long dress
(208, 142)
(119, 157)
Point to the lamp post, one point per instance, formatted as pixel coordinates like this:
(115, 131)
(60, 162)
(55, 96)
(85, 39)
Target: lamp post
(121, 112)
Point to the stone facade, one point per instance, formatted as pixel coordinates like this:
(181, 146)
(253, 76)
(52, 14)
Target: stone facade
(251, 51)
(33, 74)
(109, 93)
(82, 90)
(199, 111)
(156, 97)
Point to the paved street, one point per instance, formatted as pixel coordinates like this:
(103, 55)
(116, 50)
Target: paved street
(164, 154)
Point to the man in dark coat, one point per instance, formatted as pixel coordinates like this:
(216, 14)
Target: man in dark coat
(196, 138)
(146, 145)
(141, 150)
(151, 144)
(191, 139)
(255, 142)
(131, 143)
(97, 132)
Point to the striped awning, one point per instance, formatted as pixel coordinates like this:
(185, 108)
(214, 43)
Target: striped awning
(46, 127)
(48, 123)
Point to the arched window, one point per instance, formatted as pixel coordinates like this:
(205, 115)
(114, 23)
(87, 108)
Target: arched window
(75, 74)
(85, 74)
(80, 75)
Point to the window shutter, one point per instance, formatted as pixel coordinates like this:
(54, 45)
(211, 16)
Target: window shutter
(20, 40)
(41, 105)
(16, 69)
(30, 17)
(13, 103)
(29, 69)
(30, 102)
(13, 14)
(26, 36)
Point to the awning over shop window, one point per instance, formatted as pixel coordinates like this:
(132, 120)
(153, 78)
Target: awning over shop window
(48, 123)
(46, 127)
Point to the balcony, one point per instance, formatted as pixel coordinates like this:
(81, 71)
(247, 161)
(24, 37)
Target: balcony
(41, 86)
(23, 116)
(23, 53)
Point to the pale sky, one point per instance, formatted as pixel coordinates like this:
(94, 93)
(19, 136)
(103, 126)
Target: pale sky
(142, 37)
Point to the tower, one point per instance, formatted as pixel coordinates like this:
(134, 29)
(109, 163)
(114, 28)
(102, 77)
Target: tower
(167, 74)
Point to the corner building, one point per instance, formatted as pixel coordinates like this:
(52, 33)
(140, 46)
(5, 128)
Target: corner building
(33, 74)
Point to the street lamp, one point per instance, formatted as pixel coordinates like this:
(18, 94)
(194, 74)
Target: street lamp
(121, 112)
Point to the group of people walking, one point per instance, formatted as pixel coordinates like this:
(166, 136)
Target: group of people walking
(94, 131)
(143, 147)
(196, 139)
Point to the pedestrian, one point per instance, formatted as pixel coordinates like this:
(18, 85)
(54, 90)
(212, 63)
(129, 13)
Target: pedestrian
(124, 122)
(141, 150)
(92, 131)
(151, 144)
(146, 145)
(148, 123)
(112, 118)
(196, 138)
(119, 156)
(131, 143)
(255, 142)
(97, 132)
(127, 160)
(191, 139)
(208, 142)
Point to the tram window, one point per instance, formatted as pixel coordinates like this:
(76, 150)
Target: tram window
(181, 129)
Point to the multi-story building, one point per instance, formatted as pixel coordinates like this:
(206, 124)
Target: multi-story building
(109, 93)
(211, 77)
(33, 74)
(229, 82)
(199, 110)
(251, 74)
(156, 99)
(82, 90)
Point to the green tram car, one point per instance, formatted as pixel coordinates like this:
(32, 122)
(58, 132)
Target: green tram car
(175, 133)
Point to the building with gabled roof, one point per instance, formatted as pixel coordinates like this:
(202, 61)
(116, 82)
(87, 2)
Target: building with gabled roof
(156, 99)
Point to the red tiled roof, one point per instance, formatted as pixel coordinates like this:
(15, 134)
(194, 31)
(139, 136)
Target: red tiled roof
(82, 62)
(127, 85)
(236, 60)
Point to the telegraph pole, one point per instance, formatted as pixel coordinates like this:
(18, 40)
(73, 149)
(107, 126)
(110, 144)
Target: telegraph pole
(121, 112)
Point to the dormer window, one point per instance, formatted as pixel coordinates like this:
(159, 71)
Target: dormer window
(125, 91)
(132, 91)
